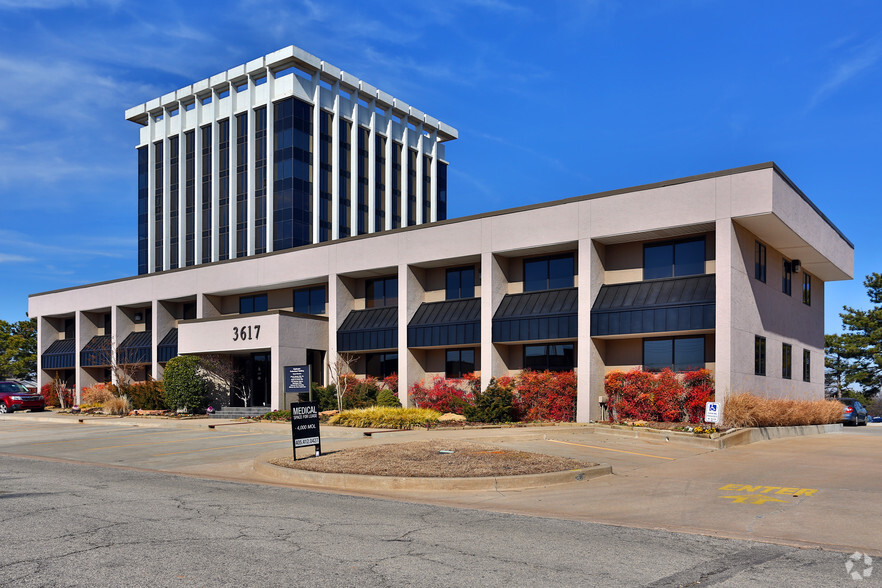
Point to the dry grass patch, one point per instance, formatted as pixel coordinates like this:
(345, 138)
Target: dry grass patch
(423, 460)
(748, 410)
(116, 405)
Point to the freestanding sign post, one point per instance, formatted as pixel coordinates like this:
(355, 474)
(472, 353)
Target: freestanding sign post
(297, 379)
(712, 412)
(305, 426)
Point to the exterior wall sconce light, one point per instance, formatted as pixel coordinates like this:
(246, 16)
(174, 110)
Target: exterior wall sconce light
(797, 265)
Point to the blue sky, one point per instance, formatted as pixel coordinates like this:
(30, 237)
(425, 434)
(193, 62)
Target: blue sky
(551, 99)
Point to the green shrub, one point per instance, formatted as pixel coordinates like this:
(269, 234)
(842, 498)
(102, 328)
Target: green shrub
(388, 398)
(185, 388)
(277, 415)
(493, 405)
(326, 396)
(148, 395)
(385, 417)
(362, 395)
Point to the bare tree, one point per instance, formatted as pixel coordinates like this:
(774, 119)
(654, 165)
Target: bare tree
(342, 367)
(223, 373)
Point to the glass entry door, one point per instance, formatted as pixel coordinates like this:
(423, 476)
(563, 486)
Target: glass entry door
(254, 381)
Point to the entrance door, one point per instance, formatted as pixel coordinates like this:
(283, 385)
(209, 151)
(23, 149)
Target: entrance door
(253, 387)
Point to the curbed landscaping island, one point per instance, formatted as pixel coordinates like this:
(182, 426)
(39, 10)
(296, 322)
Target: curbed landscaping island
(434, 459)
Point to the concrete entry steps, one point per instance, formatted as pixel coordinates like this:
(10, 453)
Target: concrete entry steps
(235, 412)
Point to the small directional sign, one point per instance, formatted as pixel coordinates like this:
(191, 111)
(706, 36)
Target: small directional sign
(711, 412)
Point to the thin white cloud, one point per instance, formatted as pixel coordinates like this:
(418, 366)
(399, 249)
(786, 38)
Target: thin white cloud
(13, 258)
(53, 4)
(846, 70)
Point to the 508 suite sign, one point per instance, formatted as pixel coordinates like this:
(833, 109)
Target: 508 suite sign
(305, 426)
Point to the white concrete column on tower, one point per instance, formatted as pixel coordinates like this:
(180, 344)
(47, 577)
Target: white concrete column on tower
(151, 195)
(433, 172)
(727, 252)
(215, 180)
(79, 342)
(252, 177)
(387, 196)
(335, 164)
(420, 213)
(166, 195)
(232, 125)
(182, 188)
(353, 169)
(372, 167)
(405, 172)
(316, 155)
(197, 183)
(270, 161)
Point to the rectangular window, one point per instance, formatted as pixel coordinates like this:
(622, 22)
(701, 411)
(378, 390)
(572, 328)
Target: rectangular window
(252, 303)
(345, 159)
(379, 183)
(427, 189)
(759, 356)
(806, 365)
(787, 278)
(174, 173)
(242, 185)
(362, 188)
(381, 365)
(260, 141)
(310, 300)
(786, 360)
(806, 289)
(325, 172)
(223, 188)
(679, 354)
(673, 258)
(759, 262)
(461, 283)
(143, 196)
(549, 273)
(206, 194)
(556, 357)
(190, 198)
(411, 187)
(292, 174)
(381, 292)
(459, 362)
(442, 191)
(157, 206)
(396, 184)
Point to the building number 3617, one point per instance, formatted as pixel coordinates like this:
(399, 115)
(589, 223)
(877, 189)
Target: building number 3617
(246, 333)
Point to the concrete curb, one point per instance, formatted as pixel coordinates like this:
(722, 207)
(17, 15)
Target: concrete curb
(355, 482)
(728, 439)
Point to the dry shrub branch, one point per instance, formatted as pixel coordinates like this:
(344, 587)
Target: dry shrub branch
(748, 410)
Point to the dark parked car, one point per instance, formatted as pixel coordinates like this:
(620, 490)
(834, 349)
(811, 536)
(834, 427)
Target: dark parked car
(15, 396)
(854, 413)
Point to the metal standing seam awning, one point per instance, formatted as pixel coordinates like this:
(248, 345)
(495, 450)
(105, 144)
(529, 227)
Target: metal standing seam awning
(451, 322)
(655, 306)
(168, 347)
(369, 329)
(60, 355)
(137, 348)
(537, 316)
(96, 353)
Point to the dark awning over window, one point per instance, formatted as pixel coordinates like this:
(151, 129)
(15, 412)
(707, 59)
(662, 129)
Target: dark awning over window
(96, 352)
(168, 347)
(136, 348)
(371, 328)
(537, 316)
(655, 306)
(452, 322)
(60, 355)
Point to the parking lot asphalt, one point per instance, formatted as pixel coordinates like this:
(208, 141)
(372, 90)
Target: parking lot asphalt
(816, 491)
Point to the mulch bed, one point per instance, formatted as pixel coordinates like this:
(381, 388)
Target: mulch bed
(422, 459)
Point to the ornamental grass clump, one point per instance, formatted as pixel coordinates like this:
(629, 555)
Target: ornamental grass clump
(749, 410)
(385, 417)
(117, 405)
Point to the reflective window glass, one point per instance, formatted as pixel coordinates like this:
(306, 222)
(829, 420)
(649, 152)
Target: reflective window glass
(556, 357)
(254, 303)
(547, 273)
(657, 261)
(459, 362)
(678, 354)
(689, 257)
(461, 283)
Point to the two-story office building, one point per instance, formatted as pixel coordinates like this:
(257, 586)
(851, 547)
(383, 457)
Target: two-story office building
(323, 252)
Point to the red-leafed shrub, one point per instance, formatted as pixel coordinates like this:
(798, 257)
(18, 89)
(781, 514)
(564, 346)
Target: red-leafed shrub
(545, 396)
(391, 383)
(663, 397)
(50, 395)
(446, 394)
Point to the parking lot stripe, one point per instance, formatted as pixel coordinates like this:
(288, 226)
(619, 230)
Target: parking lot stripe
(609, 449)
(225, 447)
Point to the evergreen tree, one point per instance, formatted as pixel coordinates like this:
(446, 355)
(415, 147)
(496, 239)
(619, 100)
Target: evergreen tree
(18, 349)
(854, 359)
